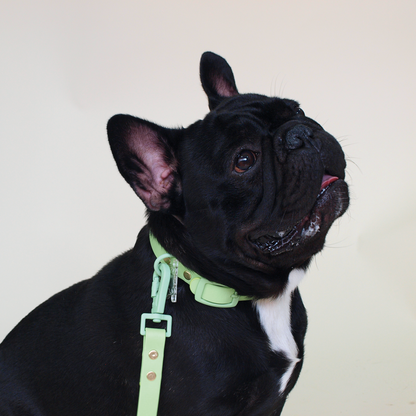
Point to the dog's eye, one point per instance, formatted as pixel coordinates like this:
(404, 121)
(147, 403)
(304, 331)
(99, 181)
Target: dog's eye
(244, 161)
(300, 112)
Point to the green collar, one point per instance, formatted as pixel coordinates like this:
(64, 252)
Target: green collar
(206, 292)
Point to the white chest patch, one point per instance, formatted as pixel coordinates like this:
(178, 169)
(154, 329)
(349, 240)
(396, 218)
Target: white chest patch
(274, 315)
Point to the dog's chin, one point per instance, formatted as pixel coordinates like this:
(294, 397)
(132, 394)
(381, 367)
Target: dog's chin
(305, 238)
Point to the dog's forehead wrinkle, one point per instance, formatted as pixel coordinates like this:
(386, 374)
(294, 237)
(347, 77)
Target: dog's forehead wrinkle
(268, 111)
(250, 122)
(232, 124)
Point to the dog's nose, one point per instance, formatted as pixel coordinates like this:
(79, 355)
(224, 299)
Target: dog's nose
(296, 137)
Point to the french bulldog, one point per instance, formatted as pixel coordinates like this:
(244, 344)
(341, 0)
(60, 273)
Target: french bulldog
(244, 199)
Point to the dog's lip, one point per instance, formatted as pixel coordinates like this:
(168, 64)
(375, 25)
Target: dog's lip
(286, 240)
(282, 242)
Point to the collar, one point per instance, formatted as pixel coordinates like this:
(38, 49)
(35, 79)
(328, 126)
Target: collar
(206, 292)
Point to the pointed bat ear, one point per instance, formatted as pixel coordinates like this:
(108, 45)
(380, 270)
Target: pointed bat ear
(217, 78)
(144, 155)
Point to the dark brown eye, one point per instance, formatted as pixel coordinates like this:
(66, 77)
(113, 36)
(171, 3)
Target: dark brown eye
(244, 161)
(300, 112)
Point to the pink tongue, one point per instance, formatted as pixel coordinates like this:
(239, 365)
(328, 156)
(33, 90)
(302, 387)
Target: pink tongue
(326, 180)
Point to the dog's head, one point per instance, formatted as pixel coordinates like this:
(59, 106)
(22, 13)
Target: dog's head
(244, 195)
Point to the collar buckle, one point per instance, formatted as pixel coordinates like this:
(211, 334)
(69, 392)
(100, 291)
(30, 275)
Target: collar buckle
(213, 294)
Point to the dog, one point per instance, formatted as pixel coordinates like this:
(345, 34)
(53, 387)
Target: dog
(242, 199)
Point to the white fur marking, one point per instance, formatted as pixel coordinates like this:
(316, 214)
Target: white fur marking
(312, 229)
(274, 315)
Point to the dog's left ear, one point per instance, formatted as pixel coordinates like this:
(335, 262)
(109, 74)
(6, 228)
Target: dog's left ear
(145, 158)
(217, 78)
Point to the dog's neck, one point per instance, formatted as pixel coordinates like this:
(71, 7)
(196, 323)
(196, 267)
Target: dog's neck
(205, 291)
(274, 313)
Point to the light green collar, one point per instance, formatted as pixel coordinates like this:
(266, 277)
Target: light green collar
(206, 292)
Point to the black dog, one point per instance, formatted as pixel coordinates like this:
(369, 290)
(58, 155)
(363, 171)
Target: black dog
(244, 198)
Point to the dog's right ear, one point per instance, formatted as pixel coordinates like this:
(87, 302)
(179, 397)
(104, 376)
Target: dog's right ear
(145, 158)
(217, 78)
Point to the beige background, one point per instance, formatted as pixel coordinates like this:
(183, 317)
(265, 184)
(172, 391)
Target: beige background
(67, 66)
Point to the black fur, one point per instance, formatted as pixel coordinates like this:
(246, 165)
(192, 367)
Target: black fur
(232, 197)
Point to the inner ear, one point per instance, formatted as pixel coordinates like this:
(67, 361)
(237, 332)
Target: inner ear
(145, 158)
(217, 78)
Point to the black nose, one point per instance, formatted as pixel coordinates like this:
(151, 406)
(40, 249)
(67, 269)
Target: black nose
(296, 137)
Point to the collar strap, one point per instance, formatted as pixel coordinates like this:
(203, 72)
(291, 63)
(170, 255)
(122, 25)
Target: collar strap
(206, 292)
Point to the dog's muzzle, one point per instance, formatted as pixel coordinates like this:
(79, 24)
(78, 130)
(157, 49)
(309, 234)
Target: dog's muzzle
(330, 204)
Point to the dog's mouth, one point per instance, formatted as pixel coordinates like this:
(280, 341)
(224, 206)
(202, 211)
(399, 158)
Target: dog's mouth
(330, 204)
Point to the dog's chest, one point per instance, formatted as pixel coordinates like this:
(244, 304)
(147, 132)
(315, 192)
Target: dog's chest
(274, 316)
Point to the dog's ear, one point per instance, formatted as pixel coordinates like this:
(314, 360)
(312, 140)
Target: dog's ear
(217, 78)
(145, 158)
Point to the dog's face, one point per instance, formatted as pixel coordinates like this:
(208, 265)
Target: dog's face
(271, 176)
(255, 185)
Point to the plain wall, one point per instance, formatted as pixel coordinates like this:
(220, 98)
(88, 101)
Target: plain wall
(67, 66)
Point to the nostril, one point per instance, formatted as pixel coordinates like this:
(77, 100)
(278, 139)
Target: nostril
(295, 137)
